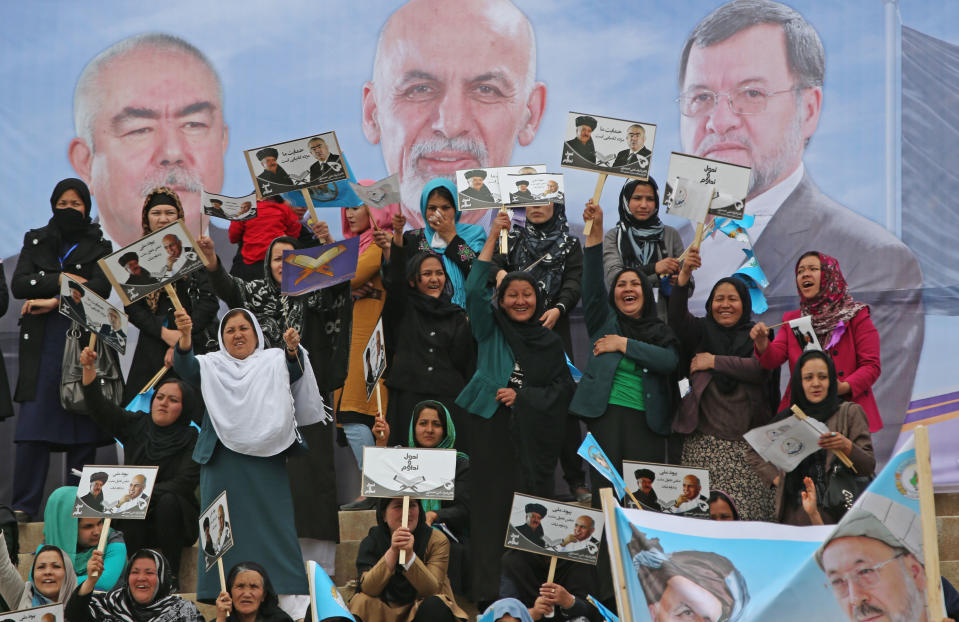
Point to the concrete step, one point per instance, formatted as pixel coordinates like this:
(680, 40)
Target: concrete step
(346, 561)
(356, 525)
(24, 564)
(947, 504)
(31, 536)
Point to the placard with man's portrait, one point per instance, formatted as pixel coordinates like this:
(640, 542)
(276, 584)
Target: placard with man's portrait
(296, 164)
(668, 488)
(229, 208)
(479, 188)
(114, 491)
(82, 305)
(607, 145)
(46, 613)
(216, 536)
(548, 527)
(152, 262)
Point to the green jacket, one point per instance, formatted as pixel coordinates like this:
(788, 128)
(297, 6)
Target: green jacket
(656, 363)
(494, 361)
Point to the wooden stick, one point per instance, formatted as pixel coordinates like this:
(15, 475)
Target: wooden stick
(552, 569)
(839, 453)
(379, 403)
(503, 245)
(706, 232)
(171, 292)
(638, 506)
(104, 532)
(154, 380)
(219, 567)
(311, 583)
(406, 523)
(609, 504)
(309, 205)
(927, 519)
(93, 340)
(597, 195)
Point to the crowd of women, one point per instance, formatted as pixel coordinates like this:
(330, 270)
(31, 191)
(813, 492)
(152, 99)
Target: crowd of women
(478, 345)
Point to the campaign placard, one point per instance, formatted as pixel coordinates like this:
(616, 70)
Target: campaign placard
(82, 305)
(374, 359)
(110, 491)
(668, 488)
(216, 537)
(295, 164)
(229, 208)
(383, 193)
(46, 613)
(152, 262)
(548, 527)
(608, 145)
(695, 186)
(408, 472)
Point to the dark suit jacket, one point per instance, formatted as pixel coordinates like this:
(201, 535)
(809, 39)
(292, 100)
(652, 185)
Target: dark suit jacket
(623, 156)
(94, 502)
(322, 170)
(880, 270)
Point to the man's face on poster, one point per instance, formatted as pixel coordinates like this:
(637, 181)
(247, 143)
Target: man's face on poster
(172, 245)
(319, 150)
(76, 296)
(751, 62)
(476, 182)
(691, 487)
(635, 137)
(552, 186)
(157, 120)
(645, 485)
(136, 486)
(269, 163)
(872, 581)
(96, 486)
(533, 519)
(583, 528)
(445, 97)
(133, 267)
(583, 132)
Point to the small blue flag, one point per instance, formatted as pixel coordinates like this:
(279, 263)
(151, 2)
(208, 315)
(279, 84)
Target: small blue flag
(755, 278)
(594, 454)
(577, 375)
(326, 601)
(608, 615)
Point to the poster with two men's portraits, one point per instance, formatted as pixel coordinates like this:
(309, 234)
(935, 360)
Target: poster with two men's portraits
(82, 305)
(298, 164)
(153, 261)
(46, 613)
(508, 186)
(229, 208)
(216, 536)
(607, 145)
(110, 491)
(547, 527)
(668, 488)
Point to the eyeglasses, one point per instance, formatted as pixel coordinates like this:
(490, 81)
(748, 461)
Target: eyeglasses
(865, 578)
(744, 100)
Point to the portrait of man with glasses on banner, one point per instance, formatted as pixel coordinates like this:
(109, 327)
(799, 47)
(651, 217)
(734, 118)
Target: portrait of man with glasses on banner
(751, 93)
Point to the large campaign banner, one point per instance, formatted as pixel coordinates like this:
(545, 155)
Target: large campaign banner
(127, 96)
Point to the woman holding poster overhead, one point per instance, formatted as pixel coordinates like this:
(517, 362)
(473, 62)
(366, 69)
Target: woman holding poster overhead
(70, 243)
(730, 391)
(443, 233)
(801, 494)
(842, 326)
(641, 240)
(245, 434)
(153, 315)
(628, 390)
(355, 414)
(518, 397)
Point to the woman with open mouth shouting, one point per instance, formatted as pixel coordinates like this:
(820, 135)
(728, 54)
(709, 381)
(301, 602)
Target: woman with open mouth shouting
(842, 326)
(519, 397)
(52, 578)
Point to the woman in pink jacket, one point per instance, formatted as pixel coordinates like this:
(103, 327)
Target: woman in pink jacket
(842, 326)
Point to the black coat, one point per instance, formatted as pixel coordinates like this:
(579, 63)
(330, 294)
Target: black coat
(6, 404)
(196, 295)
(37, 275)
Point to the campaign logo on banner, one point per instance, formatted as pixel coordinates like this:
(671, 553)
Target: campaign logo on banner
(308, 269)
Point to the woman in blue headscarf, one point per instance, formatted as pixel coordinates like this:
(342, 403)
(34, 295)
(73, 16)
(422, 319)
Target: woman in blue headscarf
(442, 233)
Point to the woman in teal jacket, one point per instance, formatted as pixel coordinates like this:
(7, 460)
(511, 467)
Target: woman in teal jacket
(519, 397)
(625, 394)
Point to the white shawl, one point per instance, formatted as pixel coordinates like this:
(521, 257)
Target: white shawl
(250, 402)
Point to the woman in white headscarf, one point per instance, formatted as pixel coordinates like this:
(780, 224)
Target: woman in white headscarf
(246, 430)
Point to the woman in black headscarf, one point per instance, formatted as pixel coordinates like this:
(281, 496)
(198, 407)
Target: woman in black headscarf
(144, 593)
(163, 438)
(68, 244)
(640, 240)
(419, 592)
(544, 249)
(518, 396)
(628, 390)
(814, 388)
(249, 596)
(730, 391)
(427, 335)
(154, 314)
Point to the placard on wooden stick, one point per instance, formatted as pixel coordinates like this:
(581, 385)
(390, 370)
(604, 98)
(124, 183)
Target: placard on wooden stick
(296, 164)
(110, 491)
(668, 488)
(46, 613)
(85, 307)
(229, 208)
(558, 530)
(153, 261)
